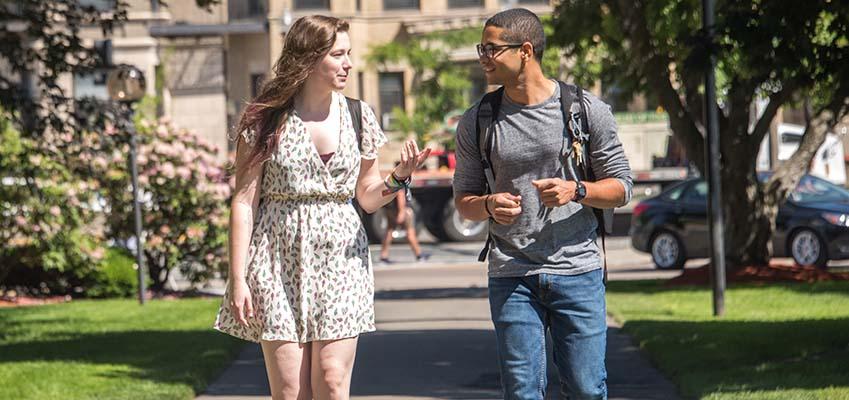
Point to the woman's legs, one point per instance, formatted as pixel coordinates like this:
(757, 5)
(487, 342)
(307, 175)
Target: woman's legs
(332, 363)
(288, 366)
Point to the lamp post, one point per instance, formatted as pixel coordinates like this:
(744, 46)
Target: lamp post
(713, 161)
(126, 85)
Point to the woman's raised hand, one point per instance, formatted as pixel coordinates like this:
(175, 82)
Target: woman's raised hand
(411, 159)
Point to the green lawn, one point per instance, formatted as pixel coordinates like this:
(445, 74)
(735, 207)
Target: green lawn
(111, 349)
(787, 341)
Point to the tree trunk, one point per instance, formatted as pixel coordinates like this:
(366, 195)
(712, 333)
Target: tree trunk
(750, 207)
(154, 272)
(749, 219)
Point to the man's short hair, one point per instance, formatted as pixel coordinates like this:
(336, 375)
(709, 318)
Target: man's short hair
(520, 25)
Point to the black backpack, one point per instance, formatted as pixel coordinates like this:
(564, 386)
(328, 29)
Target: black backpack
(356, 119)
(576, 128)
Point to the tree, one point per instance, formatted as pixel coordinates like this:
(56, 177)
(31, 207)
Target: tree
(40, 42)
(440, 85)
(791, 53)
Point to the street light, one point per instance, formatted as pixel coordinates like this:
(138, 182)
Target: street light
(126, 85)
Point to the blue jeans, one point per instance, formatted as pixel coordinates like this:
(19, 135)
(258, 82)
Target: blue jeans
(573, 309)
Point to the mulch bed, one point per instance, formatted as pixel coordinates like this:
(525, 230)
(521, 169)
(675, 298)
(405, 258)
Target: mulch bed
(11, 299)
(774, 272)
(26, 301)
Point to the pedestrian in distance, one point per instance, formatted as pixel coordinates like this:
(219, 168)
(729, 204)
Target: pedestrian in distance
(399, 215)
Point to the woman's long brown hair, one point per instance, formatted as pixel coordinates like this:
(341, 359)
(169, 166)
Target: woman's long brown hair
(308, 41)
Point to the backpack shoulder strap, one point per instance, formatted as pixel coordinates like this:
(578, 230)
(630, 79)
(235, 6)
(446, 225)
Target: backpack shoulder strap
(487, 114)
(356, 112)
(484, 133)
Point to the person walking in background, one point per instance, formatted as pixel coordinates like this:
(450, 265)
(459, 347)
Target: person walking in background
(538, 157)
(300, 278)
(398, 215)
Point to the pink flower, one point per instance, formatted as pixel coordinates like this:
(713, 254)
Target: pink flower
(100, 162)
(184, 172)
(155, 240)
(168, 170)
(97, 253)
(194, 232)
(165, 229)
(55, 211)
(20, 221)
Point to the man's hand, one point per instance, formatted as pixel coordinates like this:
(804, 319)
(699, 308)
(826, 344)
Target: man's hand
(505, 207)
(555, 192)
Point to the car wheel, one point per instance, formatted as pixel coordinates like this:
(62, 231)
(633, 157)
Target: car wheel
(459, 229)
(376, 224)
(807, 248)
(667, 251)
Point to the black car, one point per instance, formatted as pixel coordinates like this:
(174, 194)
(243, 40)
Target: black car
(812, 226)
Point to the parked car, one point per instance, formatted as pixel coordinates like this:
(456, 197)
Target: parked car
(812, 226)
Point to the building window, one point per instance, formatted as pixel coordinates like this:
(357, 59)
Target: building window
(256, 84)
(99, 5)
(464, 3)
(91, 84)
(400, 4)
(246, 9)
(391, 87)
(312, 4)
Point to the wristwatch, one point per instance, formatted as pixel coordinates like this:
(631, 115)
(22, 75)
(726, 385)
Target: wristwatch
(580, 192)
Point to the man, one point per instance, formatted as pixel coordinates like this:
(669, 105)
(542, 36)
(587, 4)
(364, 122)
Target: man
(545, 267)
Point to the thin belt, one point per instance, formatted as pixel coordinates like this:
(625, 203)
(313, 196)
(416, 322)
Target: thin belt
(310, 197)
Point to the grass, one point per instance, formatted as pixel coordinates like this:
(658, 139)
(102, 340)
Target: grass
(787, 341)
(111, 349)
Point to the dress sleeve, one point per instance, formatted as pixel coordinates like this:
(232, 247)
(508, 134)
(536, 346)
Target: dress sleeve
(373, 136)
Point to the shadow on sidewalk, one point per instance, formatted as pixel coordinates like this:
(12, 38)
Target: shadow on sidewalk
(433, 294)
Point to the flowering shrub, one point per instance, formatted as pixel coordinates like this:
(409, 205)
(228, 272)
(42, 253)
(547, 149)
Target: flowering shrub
(44, 207)
(184, 193)
(63, 196)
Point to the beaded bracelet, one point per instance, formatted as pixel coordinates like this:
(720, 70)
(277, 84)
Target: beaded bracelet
(393, 185)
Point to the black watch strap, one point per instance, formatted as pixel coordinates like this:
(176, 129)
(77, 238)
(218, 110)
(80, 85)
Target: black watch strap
(580, 192)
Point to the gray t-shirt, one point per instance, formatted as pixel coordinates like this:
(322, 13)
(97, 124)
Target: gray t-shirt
(528, 143)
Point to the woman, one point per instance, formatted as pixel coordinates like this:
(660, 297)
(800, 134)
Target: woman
(300, 275)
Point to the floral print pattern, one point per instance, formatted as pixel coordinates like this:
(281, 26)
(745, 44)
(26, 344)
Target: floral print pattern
(308, 266)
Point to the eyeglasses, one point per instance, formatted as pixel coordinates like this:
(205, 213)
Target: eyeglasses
(493, 50)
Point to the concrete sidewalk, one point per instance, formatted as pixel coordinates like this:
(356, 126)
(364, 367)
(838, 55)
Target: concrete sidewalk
(435, 341)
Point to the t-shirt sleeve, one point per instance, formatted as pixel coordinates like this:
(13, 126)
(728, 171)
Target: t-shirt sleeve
(607, 157)
(373, 136)
(468, 173)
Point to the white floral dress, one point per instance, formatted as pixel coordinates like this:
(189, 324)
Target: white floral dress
(308, 265)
